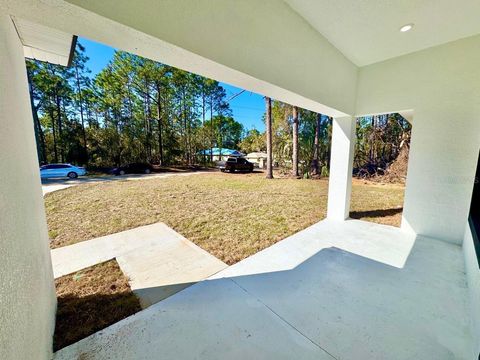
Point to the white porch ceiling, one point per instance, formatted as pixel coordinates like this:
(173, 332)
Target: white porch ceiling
(44, 43)
(367, 31)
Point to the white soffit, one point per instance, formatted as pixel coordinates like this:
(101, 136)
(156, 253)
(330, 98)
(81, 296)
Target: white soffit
(43, 43)
(368, 31)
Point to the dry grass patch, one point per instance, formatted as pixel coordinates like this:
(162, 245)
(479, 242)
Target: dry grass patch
(90, 300)
(232, 216)
(376, 202)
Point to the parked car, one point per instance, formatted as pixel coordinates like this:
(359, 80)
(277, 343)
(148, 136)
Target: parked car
(61, 170)
(133, 168)
(236, 164)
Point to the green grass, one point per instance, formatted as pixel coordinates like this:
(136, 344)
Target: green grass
(232, 216)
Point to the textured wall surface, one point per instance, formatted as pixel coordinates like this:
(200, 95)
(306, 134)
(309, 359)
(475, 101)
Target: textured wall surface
(473, 277)
(27, 296)
(442, 87)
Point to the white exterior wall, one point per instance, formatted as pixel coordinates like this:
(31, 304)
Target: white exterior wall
(473, 278)
(27, 295)
(442, 86)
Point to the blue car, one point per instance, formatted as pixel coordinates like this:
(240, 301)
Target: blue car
(61, 170)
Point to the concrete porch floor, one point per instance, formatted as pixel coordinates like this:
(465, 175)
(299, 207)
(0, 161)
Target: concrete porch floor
(337, 290)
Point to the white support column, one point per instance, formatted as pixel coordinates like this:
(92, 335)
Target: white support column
(27, 292)
(341, 166)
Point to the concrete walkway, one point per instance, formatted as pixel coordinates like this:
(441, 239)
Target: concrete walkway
(51, 185)
(346, 290)
(158, 261)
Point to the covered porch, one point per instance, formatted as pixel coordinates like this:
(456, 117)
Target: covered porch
(340, 289)
(337, 290)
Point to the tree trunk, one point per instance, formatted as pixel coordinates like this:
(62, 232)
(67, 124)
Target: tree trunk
(39, 136)
(372, 141)
(41, 147)
(60, 127)
(295, 142)
(212, 134)
(268, 125)
(148, 115)
(160, 127)
(166, 127)
(328, 145)
(189, 137)
(54, 133)
(315, 167)
(204, 155)
(185, 139)
(80, 102)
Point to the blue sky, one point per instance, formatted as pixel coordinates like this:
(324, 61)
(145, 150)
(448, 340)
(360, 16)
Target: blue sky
(248, 108)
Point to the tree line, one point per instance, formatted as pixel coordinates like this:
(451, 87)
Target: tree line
(380, 141)
(136, 109)
(301, 141)
(299, 137)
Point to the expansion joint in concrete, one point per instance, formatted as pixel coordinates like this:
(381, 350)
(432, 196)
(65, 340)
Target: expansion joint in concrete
(284, 320)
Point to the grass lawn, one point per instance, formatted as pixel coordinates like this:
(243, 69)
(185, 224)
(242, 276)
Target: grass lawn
(90, 300)
(232, 216)
(375, 202)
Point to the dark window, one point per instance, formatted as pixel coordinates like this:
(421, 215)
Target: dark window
(59, 166)
(475, 212)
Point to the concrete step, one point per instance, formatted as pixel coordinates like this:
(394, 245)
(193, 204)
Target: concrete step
(158, 261)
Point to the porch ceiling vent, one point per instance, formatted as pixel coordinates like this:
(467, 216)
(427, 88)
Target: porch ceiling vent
(46, 44)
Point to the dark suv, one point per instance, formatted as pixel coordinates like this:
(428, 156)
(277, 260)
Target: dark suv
(133, 168)
(236, 164)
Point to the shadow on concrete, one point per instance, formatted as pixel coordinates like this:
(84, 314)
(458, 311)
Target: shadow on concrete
(349, 306)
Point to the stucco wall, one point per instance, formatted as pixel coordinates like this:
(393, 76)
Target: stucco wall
(442, 87)
(27, 297)
(473, 278)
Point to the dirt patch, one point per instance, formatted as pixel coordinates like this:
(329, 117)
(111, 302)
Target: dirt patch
(90, 300)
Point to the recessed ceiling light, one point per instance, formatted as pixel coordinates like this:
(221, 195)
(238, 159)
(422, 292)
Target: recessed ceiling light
(406, 28)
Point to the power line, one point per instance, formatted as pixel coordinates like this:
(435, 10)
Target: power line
(235, 95)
